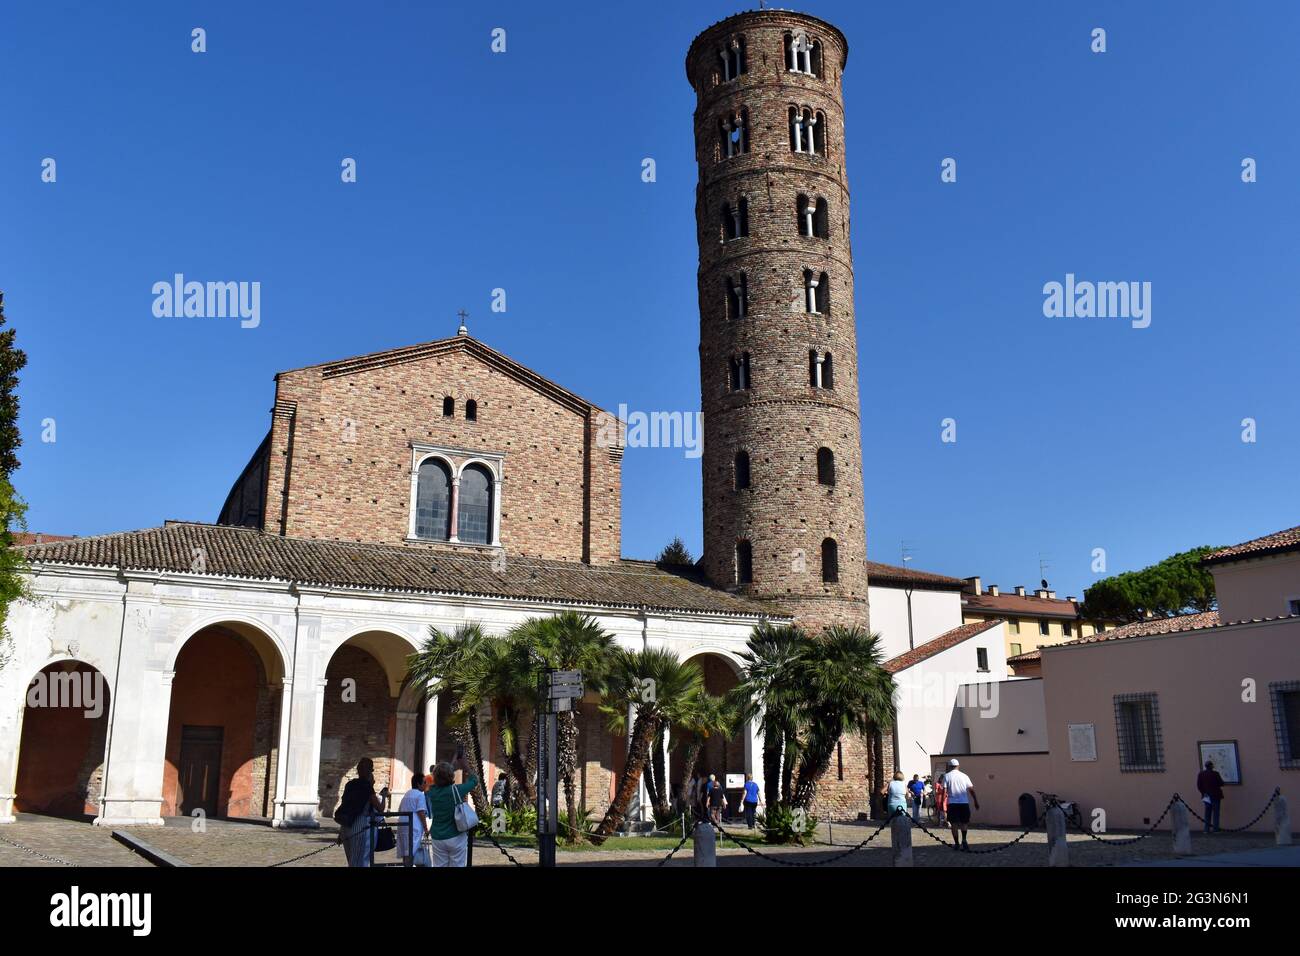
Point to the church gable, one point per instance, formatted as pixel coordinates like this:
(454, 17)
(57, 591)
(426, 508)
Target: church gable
(445, 443)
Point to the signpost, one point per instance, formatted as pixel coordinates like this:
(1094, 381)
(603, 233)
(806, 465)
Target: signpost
(556, 692)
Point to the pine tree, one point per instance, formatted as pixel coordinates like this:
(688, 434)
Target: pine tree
(12, 507)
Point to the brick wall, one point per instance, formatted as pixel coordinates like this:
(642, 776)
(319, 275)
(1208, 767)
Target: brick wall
(365, 727)
(341, 451)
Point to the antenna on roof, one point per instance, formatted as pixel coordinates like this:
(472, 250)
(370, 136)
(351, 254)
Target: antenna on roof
(904, 551)
(1044, 562)
(464, 329)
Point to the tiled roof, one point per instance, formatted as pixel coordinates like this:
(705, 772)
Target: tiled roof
(1014, 605)
(252, 554)
(1275, 543)
(1155, 625)
(24, 538)
(1028, 656)
(941, 643)
(926, 580)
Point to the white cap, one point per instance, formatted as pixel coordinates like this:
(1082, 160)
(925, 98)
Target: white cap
(954, 762)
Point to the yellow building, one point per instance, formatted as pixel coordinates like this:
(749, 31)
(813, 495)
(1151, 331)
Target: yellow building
(1035, 620)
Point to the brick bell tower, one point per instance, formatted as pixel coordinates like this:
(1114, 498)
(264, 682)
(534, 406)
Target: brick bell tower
(783, 510)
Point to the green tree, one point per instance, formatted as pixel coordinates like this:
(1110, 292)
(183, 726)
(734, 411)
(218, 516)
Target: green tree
(656, 687)
(569, 641)
(703, 716)
(676, 554)
(12, 508)
(766, 692)
(502, 673)
(1177, 585)
(844, 689)
(448, 663)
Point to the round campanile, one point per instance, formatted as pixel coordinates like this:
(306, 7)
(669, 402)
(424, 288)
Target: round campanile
(783, 512)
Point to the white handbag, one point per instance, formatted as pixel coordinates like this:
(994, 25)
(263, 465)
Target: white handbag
(466, 817)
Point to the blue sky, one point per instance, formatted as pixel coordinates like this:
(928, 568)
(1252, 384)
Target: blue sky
(522, 171)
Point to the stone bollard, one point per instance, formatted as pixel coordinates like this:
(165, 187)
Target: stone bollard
(1281, 822)
(1179, 821)
(900, 835)
(1058, 847)
(706, 844)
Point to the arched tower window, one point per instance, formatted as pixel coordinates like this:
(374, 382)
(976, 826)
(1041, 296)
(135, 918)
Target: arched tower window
(735, 219)
(825, 466)
(744, 563)
(817, 293)
(433, 501)
(830, 561)
(738, 372)
(821, 369)
(733, 59)
(471, 411)
(742, 470)
(828, 371)
(812, 217)
(448, 407)
(818, 134)
(737, 297)
(807, 131)
(734, 131)
(474, 514)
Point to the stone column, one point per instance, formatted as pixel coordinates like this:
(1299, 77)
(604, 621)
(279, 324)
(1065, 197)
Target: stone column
(1058, 847)
(429, 746)
(282, 746)
(900, 836)
(1180, 822)
(455, 507)
(496, 512)
(300, 752)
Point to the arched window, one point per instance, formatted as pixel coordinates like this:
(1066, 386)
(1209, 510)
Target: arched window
(471, 411)
(742, 470)
(821, 369)
(448, 407)
(737, 296)
(733, 59)
(817, 293)
(807, 131)
(825, 466)
(433, 501)
(474, 514)
(735, 219)
(818, 134)
(811, 217)
(738, 372)
(744, 563)
(734, 131)
(830, 561)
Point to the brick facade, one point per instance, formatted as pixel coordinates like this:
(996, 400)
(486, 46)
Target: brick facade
(782, 418)
(340, 457)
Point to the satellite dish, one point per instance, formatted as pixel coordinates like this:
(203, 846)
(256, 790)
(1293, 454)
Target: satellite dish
(1044, 584)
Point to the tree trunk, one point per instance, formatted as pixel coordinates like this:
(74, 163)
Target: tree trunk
(475, 756)
(689, 759)
(658, 772)
(772, 767)
(566, 763)
(790, 747)
(812, 765)
(643, 730)
(507, 729)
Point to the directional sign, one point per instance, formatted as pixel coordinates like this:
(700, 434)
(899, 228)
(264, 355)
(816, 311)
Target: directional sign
(561, 685)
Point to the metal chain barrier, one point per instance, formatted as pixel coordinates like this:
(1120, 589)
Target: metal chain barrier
(37, 853)
(685, 836)
(295, 859)
(1125, 841)
(994, 849)
(775, 859)
(1277, 792)
(483, 831)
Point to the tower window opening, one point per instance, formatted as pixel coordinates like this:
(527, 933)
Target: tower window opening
(471, 411)
(830, 561)
(828, 371)
(812, 217)
(738, 372)
(816, 289)
(733, 59)
(734, 130)
(737, 297)
(742, 470)
(821, 369)
(803, 55)
(825, 466)
(448, 407)
(744, 563)
(735, 219)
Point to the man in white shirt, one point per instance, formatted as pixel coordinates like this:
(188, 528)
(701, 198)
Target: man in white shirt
(410, 840)
(961, 794)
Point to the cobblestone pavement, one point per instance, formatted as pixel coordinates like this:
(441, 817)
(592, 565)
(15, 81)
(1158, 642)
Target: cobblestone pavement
(232, 843)
(73, 841)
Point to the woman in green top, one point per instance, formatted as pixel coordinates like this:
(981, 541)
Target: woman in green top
(449, 844)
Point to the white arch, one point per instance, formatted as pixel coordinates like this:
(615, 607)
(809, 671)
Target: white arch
(248, 620)
(383, 656)
(489, 465)
(730, 656)
(59, 659)
(422, 458)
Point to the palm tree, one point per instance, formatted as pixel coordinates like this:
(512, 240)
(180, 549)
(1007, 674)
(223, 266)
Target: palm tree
(703, 716)
(446, 664)
(768, 692)
(844, 688)
(569, 641)
(658, 687)
(502, 674)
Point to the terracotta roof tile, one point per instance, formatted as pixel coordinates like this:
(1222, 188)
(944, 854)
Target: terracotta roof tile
(1275, 543)
(927, 580)
(1155, 625)
(249, 553)
(941, 643)
(1014, 605)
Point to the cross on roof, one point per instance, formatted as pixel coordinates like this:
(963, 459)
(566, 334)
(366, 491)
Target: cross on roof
(464, 329)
